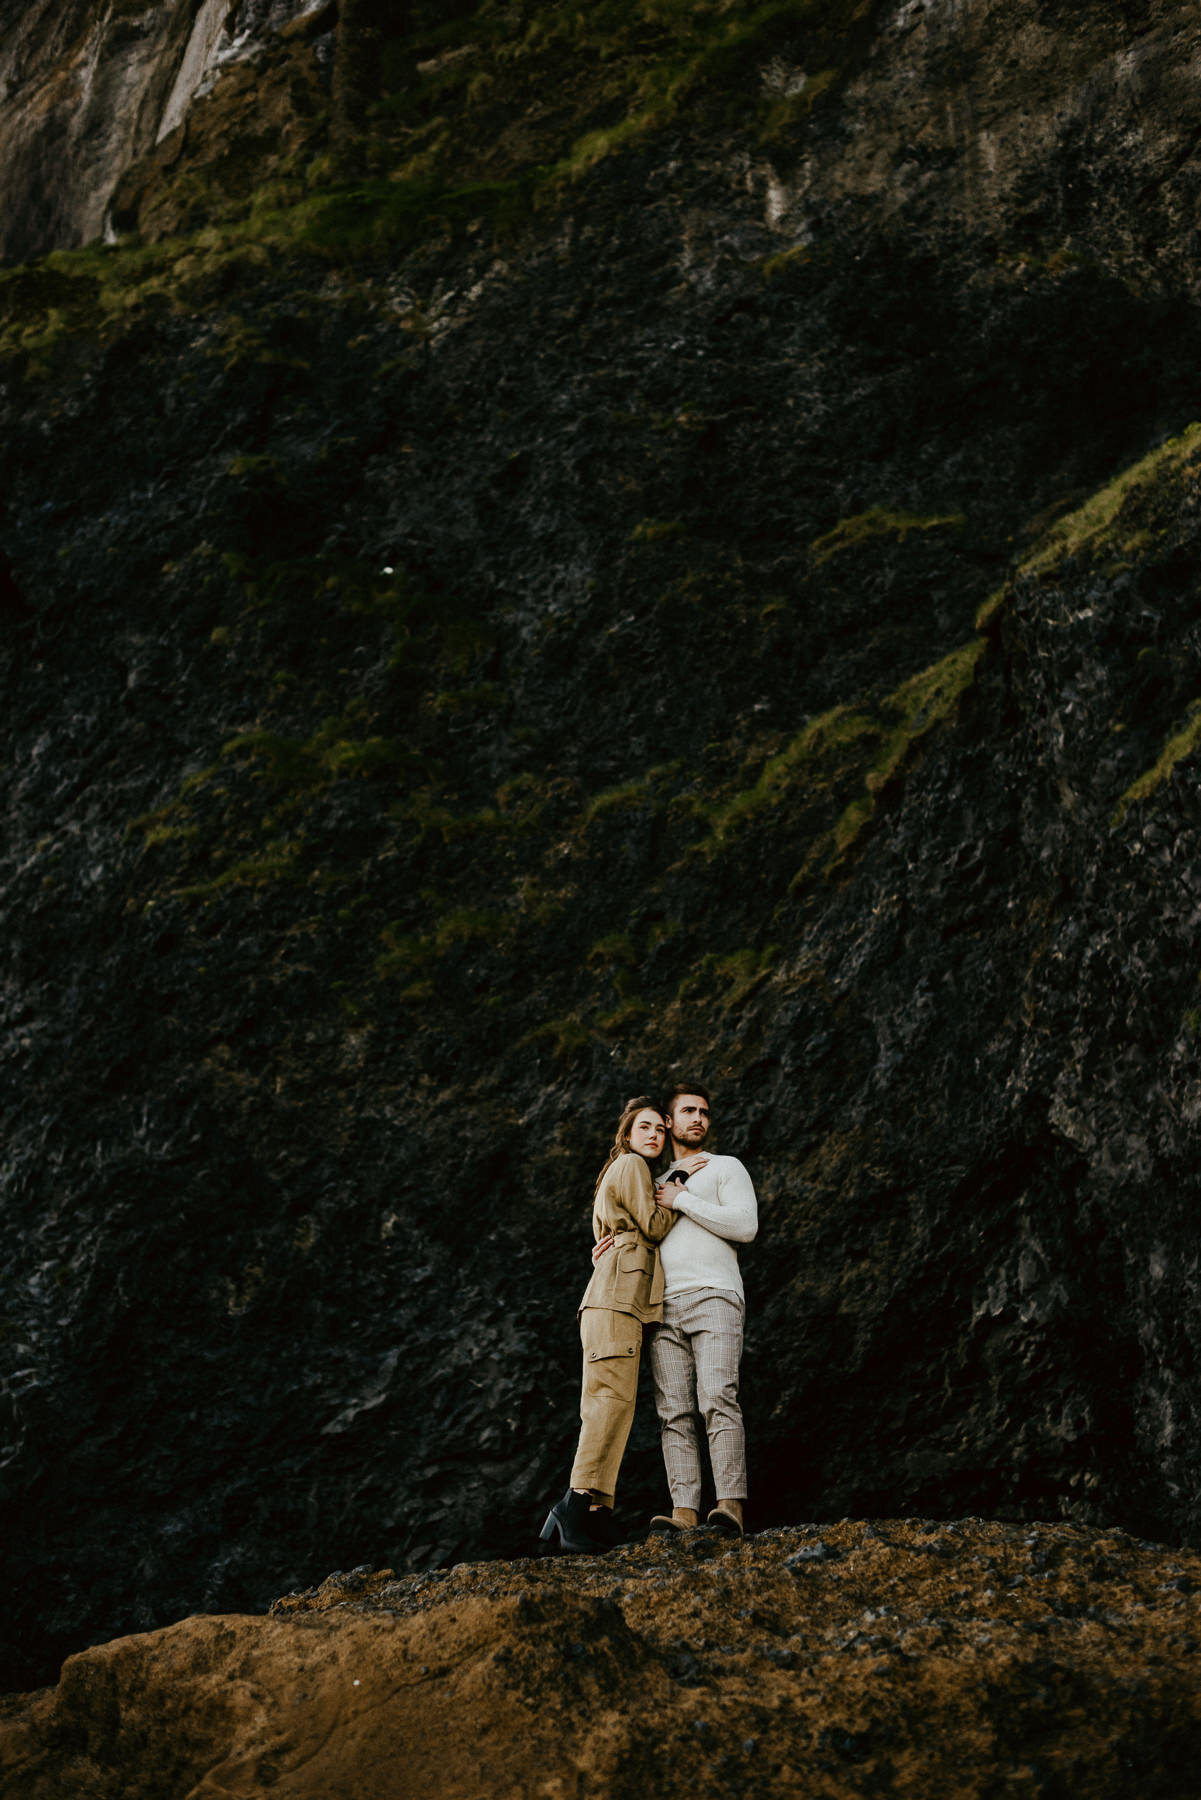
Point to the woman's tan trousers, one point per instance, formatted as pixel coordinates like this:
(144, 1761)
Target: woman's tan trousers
(612, 1351)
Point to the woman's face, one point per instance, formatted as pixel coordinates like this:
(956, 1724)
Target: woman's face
(647, 1133)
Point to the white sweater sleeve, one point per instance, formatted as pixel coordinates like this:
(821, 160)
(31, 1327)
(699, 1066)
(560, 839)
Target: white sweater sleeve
(733, 1215)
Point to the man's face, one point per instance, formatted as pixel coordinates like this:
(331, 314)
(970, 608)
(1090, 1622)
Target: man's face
(689, 1121)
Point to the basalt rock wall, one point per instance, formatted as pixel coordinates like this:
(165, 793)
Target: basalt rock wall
(689, 562)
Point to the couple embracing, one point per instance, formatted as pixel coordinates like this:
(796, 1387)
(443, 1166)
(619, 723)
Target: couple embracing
(665, 1258)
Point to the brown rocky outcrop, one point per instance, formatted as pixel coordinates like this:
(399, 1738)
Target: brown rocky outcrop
(922, 1660)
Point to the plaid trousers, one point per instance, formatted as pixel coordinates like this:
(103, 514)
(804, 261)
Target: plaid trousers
(694, 1355)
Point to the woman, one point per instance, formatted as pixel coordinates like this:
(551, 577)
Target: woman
(625, 1293)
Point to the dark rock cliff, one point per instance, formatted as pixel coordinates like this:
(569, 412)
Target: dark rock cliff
(689, 562)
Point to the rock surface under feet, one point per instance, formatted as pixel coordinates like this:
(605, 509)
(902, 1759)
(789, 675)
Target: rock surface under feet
(899, 1658)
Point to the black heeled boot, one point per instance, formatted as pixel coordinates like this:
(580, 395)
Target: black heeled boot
(570, 1518)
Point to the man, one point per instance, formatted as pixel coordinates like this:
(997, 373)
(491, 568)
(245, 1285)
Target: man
(695, 1352)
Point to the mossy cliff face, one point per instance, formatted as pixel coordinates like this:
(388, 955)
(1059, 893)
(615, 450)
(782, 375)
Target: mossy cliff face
(548, 614)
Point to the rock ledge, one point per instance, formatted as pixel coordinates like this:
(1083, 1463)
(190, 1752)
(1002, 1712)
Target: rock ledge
(886, 1658)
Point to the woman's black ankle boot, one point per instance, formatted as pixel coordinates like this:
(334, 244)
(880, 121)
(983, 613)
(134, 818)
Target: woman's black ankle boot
(569, 1520)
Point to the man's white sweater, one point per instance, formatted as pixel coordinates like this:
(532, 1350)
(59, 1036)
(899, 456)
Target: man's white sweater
(717, 1210)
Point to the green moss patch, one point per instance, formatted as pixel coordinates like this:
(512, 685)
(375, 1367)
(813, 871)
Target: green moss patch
(1181, 744)
(864, 748)
(730, 976)
(878, 522)
(905, 717)
(840, 727)
(1099, 524)
(408, 954)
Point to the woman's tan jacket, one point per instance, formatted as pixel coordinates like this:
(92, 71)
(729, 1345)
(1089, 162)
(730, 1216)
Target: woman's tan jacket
(628, 1278)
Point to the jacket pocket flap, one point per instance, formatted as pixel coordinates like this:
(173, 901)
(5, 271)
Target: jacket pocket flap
(635, 1259)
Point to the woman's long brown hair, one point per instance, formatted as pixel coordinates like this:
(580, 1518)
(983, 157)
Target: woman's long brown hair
(621, 1140)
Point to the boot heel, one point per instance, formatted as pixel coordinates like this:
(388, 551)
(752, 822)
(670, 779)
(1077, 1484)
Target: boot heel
(570, 1520)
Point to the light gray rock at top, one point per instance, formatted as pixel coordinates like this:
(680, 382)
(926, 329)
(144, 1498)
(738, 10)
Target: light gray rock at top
(85, 91)
(222, 35)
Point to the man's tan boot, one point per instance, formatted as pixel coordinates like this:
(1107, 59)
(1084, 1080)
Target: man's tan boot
(682, 1519)
(727, 1516)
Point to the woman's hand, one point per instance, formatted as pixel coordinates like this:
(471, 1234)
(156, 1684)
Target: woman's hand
(692, 1163)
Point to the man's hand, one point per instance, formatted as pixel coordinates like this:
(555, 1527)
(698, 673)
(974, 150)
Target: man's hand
(599, 1248)
(667, 1191)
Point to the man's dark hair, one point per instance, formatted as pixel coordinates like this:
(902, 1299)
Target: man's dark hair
(681, 1086)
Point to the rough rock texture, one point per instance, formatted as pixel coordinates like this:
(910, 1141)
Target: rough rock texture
(910, 1659)
(692, 561)
(87, 90)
